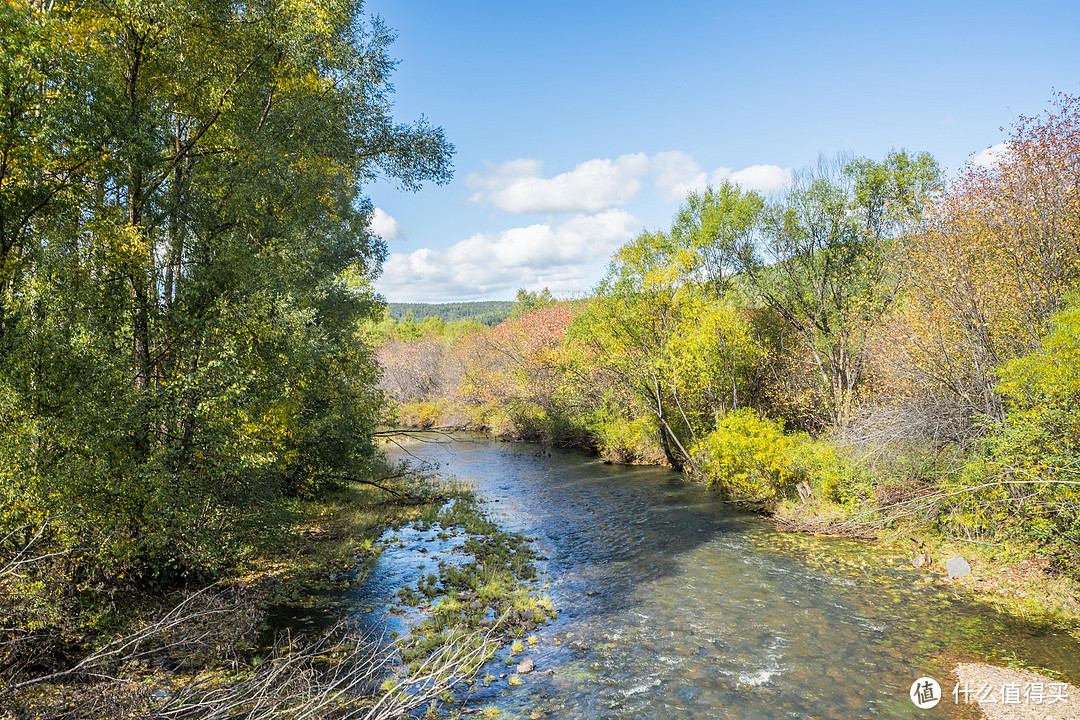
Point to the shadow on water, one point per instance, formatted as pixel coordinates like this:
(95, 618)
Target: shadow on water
(675, 605)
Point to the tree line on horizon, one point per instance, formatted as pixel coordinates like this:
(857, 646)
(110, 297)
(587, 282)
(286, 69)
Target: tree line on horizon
(485, 312)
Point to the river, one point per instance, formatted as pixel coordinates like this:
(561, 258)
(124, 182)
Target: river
(676, 605)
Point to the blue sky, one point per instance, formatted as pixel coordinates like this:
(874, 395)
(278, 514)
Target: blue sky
(578, 124)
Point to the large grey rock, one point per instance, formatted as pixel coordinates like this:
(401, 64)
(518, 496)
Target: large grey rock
(957, 567)
(526, 666)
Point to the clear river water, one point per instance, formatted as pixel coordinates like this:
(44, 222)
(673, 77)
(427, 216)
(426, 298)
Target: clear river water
(673, 604)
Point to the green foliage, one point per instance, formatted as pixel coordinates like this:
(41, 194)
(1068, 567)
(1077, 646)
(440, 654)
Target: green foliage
(185, 265)
(823, 272)
(711, 358)
(1026, 479)
(483, 312)
(1049, 377)
(717, 226)
(825, 267)
(530, 301)
(625, 440)
(746, 456)
(894, 194)
(667, 335)
(751, 458)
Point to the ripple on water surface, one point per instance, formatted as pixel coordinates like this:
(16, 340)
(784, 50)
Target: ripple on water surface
(673, 605)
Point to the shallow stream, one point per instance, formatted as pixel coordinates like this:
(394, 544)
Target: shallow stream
(673, 604)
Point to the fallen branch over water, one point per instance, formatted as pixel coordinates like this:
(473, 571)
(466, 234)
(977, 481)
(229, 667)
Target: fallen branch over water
(340, 675)
(372, 483)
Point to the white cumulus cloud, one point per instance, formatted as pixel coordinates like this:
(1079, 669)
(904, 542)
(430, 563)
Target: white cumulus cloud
(384, 225)
(762, 178)
(677, 173)
(992, 155)
(567, 257)
(518, 186)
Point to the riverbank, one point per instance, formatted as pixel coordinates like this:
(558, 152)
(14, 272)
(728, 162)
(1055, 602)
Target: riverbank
(1014, 577)
(166, 651)
(278, 629)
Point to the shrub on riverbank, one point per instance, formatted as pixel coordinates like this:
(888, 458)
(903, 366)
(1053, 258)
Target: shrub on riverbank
(748, 457)
(1023, 481)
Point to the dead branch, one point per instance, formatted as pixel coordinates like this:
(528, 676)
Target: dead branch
(372, 483)
(23, 556)
(182, 629)
(415, 434)
(336, 676)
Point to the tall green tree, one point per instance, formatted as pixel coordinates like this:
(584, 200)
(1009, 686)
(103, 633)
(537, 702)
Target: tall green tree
(181, 199)
(669, 344)
(825, 263)
(718, 225)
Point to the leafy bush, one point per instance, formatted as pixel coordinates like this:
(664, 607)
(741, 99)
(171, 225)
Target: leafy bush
(421, 413)
(749, 457)
(623, 440)
(1024, 480)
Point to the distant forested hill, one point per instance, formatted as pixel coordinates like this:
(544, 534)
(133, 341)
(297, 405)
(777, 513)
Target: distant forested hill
(487, 312)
